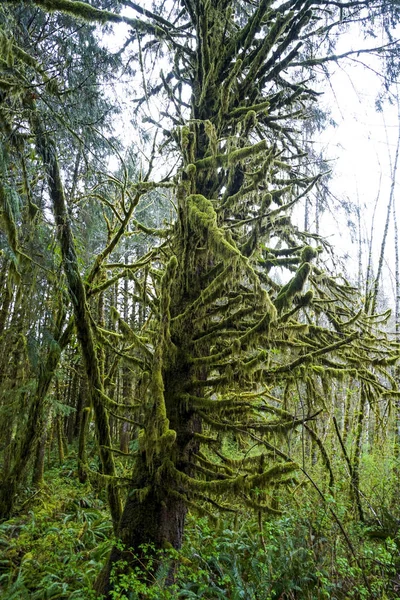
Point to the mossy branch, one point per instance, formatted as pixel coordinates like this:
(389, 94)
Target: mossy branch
(89, 13)
(232, 158)
(233, 485)
(308, 358)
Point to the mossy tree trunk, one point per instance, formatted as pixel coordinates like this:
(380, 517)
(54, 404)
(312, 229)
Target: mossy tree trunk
(358, 448)
(6, 296)
(38, 466)
(83, 467)
(81, 312)
(126, 375)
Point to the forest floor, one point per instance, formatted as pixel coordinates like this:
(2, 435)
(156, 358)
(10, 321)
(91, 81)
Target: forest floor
(61, 535)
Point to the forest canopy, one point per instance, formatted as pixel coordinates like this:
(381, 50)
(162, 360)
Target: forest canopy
(169, 321)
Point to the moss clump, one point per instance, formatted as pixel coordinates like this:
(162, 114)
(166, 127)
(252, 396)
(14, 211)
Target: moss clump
(308, 253)
(190, 170)
(293, 288)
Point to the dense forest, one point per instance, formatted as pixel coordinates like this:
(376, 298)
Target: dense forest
(195, 402)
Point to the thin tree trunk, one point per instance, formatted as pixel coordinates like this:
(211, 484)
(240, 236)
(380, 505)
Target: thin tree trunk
(82, 393)
(5, 307)
(60, 444)
(38, 467)
(370, 266)
(125, 428)
(81, 314)
(82, 456)
(397, 326)
(358, 451)
(386, 230)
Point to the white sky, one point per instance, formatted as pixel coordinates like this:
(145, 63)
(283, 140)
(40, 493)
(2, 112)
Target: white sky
(363, 144)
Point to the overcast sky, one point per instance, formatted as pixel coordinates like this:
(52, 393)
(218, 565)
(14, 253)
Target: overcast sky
(363, 146)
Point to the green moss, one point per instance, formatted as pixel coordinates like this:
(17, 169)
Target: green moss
(294, 287)
(308, 253)
(245, 110)
(212, 137)
(242, 153)
(202, 218)
(232, 485)
(86, 12)
(191, 170)
(227, 91)
(279, 25)
(185, 137)
(8, 207)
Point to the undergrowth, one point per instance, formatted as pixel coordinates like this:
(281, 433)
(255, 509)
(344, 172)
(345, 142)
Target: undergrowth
(61, 537)
(56, 546)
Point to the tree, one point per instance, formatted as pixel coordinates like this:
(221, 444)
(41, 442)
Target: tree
(30, 70)
(226, 351)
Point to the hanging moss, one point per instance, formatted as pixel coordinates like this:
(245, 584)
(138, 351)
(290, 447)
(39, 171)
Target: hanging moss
(227, 92)
(9, 205)
(157, 438)
(305, 299)
(308, 253)
(196, 507)
(294, 287)
(213, 162)
(264, 508)
(202, 217)
(207, 296)
(244, 110)
(232, 485)
(188, 145)
(86, 12)
(279, 25)
(211, 133)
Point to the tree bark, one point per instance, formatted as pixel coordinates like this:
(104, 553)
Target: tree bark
(82, 456)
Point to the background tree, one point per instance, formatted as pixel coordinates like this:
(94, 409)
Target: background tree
(36, 52)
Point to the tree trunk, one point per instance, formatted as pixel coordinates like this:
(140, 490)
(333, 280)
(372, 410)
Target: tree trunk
(155, 512)
(82, 456)
(60, 442)
(38, 468)
(355, 480)
(81, 314)
(156, 521)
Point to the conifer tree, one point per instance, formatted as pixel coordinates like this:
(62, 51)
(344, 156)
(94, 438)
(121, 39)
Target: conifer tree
(226, 350)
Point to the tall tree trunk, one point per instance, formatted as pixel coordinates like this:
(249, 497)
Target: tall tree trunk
(124, 434)
(355, 476)
(60, 441)
(6, 299)
(81, 313)
(82, 445)
(397, 326)
(38, 467)
(386, 229)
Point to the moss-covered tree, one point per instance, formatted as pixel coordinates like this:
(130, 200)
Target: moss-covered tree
(226, 352)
